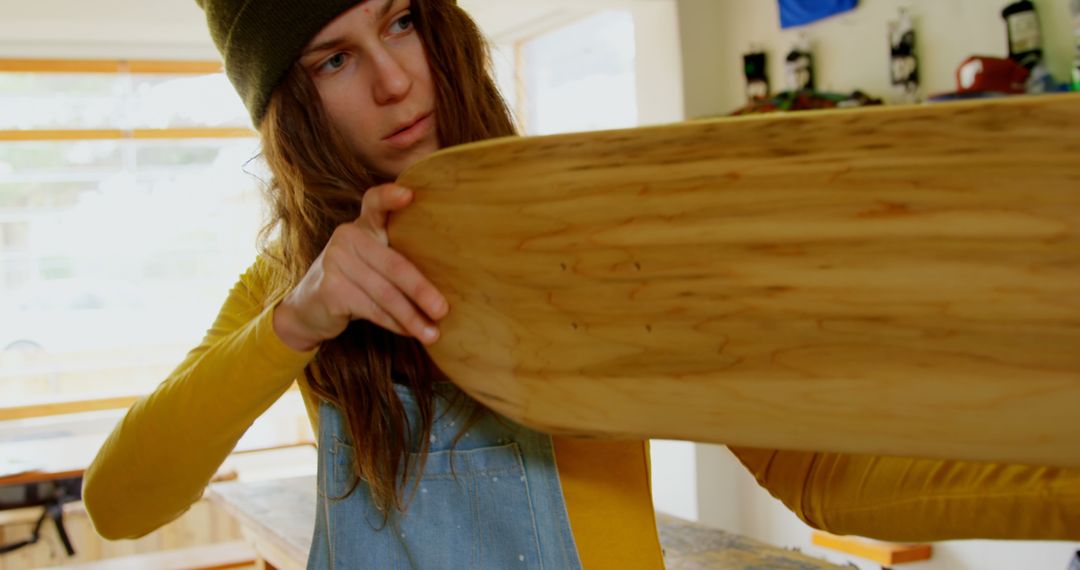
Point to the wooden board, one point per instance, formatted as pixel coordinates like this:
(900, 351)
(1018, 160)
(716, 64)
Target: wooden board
(277, 516)
(885, 553)
(892, 281)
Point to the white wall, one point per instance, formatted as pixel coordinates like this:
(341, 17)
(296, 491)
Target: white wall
(674, 478)
(659, 62)
(851, 53)
(851, 50)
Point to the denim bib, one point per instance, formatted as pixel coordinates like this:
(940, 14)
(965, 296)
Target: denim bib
(501, 507)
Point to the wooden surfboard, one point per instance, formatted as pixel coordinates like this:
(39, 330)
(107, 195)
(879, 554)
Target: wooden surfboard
(901, 281)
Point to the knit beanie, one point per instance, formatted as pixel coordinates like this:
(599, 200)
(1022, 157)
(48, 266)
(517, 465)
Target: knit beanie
(260, 40)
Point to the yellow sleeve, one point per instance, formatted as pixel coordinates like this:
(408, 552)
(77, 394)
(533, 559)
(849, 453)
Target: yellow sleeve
(920, 500)
(159, 458)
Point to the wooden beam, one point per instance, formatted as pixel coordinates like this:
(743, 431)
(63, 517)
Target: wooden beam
(166, 67)
(193, 133)
(120, 134)
(57, 406)
(60, 407)
(884, 553)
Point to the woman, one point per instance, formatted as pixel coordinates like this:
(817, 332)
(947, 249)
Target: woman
(346, 95)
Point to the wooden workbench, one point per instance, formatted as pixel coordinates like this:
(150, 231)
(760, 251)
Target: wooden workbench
(278, 518)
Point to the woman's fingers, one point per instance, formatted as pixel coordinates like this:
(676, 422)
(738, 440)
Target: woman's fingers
(376, 206)
(391, 291)
(407, 278)
(387, 296)
(358, 276)
(378, 203)
(376, 314)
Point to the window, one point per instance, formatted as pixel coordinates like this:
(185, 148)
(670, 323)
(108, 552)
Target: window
(581, 77)
(126, 213)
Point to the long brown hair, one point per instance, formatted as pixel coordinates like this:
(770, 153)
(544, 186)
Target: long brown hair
(317, 185)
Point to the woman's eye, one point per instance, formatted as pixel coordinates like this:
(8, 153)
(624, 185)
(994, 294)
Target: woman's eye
(335, 62)
(402, 24)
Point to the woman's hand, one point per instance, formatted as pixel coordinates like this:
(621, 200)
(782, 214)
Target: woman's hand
(358, 276)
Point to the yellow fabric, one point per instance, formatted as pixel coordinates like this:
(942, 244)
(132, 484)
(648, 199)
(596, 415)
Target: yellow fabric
(157, 461)
(920, 500)
(607, 490)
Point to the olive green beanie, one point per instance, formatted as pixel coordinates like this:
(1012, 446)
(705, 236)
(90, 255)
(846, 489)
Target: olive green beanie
(260, 39)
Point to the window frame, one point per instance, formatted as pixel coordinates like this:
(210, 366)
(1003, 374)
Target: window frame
(58, 405)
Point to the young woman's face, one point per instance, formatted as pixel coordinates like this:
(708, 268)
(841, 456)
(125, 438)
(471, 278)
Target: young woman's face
(373, 78)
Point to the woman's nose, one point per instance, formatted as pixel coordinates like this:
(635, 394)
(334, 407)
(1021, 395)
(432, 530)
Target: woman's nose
(392, 81)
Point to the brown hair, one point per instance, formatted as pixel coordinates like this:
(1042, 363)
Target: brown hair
(317, 185)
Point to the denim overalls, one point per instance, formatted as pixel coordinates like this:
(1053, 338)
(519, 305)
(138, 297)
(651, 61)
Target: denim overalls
(504, 510)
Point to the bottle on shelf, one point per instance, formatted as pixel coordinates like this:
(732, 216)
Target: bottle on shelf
(799, 66)
(755, 68)
(1025, 35)
(904, 64)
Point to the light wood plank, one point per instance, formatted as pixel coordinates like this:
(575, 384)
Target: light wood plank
(884, 553)
(891, 281)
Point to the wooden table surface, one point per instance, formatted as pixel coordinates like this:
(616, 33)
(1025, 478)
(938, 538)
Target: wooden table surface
(278, 518)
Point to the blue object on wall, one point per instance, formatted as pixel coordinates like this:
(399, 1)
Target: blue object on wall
(799, 12)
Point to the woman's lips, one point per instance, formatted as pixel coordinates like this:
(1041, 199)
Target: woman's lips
(413, 134)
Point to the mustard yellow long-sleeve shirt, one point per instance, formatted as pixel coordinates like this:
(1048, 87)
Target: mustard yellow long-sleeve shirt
(160, 457)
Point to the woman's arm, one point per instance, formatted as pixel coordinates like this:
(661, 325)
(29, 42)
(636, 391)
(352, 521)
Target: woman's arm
(920, 500)
(159, 458)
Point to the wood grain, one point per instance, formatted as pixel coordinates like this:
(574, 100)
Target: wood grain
(897, 281)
